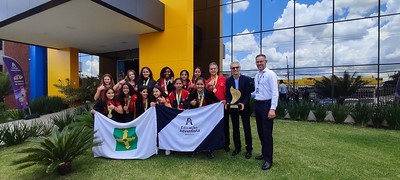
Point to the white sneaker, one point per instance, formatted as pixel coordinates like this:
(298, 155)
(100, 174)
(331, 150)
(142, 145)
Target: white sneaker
(167, 152)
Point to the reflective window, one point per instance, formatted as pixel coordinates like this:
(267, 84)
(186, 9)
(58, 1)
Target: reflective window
(278, 47)
(227, 53)
(314, 46)
(245, 48)
(390, 37)
(390, 7)
(346, 9)
(313, 11)
(356, 42)
(89, 65)
(246, 15)
(277, 14)
(226, 21)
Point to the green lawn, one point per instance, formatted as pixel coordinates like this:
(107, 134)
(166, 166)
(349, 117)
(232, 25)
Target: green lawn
(303, 150)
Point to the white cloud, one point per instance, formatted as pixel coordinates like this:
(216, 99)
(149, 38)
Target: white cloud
(239, 6)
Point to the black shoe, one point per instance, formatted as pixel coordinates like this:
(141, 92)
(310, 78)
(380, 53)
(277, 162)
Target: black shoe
(266, 166)
(260, 157)
(236, 152)
(227, 149)
(210, 155)
(248, 155)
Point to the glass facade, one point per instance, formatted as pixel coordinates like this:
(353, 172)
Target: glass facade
(88, 65)
(308, 39)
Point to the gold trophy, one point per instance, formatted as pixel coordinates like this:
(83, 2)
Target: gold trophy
(236, 94)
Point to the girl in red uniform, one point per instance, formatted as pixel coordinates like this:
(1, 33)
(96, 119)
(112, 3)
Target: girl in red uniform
(130, 78)
(142, 102)
(165, 81)
(159, 97)
(109, 106)
(105, 82)
(198, 98)
(127, 99)
(192, 84)
(185, 79)
(179, 95)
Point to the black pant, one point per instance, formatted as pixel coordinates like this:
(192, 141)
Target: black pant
(264, 128)
(226, 128)
(245, 114)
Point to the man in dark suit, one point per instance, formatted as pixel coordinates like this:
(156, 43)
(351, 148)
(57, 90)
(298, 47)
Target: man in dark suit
(241, 83)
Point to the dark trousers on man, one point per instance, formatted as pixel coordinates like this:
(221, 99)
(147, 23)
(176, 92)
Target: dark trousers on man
(226, 128)
(264, 128)
(245, 114)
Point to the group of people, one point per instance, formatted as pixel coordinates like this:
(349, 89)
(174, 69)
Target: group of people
(130, 97)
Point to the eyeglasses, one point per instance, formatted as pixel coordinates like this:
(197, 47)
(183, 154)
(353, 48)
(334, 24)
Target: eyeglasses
(236, 67)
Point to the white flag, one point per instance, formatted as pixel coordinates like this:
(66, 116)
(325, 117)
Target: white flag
(133, 140)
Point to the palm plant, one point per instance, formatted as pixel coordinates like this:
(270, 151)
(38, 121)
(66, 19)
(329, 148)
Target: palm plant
(58, 150)
(63, 120)
(343, 87)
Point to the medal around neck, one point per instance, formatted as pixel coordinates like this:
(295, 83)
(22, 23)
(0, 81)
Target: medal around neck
(236, 94)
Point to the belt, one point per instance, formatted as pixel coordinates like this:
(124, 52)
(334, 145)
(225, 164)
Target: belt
(263, 101)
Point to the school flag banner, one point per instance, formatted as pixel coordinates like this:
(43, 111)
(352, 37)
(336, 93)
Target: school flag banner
(133, 140)
(192, 129)
(17, 81)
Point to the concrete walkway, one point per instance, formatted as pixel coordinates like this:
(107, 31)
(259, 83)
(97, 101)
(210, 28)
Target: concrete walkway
(45, 119)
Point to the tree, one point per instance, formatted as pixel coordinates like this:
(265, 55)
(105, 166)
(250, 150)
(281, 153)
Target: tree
(5, 86)
(343, 87)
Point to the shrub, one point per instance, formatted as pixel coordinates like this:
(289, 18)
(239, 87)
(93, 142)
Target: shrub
(304, 110)
(46, 105)
(281, 110)
(320, 112)
(82, 109)
(393, 115)
(84, 120)
(15, 114)
(75, 96)
(293, 110)
(340, 112)
(17, 132)
(58, 150)
(361, 113)
(378, 115)
(63, 120)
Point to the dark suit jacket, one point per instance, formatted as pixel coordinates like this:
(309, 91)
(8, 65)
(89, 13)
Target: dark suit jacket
(244, 88)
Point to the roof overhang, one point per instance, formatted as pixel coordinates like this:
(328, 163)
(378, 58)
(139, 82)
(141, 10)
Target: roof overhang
(92, 26)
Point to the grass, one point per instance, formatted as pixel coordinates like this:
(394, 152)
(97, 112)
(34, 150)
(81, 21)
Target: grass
(303, 150)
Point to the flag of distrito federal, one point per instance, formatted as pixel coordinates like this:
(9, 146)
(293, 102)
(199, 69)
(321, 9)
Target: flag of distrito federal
(132, 140)
(192, 129)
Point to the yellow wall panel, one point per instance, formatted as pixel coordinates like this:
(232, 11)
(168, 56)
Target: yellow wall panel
(172, 47)
(62, 64)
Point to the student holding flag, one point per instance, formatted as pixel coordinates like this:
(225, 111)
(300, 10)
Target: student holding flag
(217, 84)
(146, 79)
(109, 106)
(179, 95)
(142, 102)
(159, 97)
(199, 98)
(127, 99)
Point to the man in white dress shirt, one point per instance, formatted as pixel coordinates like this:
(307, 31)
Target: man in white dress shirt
(266, 95)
